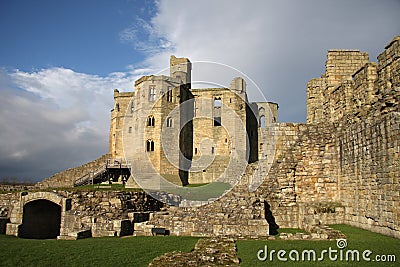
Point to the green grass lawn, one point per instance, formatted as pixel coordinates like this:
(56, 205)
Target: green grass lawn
(140, 251)
(357, 239)
(201, 192)
(105, 251)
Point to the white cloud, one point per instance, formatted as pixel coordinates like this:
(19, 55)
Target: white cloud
(144, 36)
(54, 119)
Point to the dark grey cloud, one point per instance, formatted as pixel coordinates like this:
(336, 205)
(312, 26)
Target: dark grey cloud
(53, 119)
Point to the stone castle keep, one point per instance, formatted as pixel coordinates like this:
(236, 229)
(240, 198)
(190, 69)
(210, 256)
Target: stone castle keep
(342, 166)
(188, 134)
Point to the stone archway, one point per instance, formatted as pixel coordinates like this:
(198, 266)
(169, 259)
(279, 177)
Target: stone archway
(41, 220)
(39, 215)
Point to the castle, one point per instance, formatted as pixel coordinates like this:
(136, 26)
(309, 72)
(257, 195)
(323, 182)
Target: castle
(188, 134)
(342, 166)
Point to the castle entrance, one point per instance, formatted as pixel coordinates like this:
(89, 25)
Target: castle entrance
(41, 220)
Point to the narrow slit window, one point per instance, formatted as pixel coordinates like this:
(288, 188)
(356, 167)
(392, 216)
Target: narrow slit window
(169, 95)
(149, 145)
(169, 122)
(262, 122)
(152, 93)
(217, 121)
(217, 102)
(150, 121)
(217, 111)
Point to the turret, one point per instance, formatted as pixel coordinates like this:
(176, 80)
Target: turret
(181, 68)
(238, 85)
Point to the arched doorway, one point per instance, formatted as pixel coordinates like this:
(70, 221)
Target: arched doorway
(41, 220)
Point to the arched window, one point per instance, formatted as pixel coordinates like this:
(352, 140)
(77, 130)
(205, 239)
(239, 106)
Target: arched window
(261, 111)
(149, 145)
(169, 122)
(262, 122)
(150, 121)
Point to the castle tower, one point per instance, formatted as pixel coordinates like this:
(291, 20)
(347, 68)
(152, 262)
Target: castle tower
(152, 130)
(181, 68)
(340, 67)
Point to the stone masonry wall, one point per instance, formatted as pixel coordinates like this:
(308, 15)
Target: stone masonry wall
(102, 213)
(364, 122)
(369, 174)
(299, 188)
(7, 202)
(322, 105)
(238, 213)
(66, 178)
(303, 178)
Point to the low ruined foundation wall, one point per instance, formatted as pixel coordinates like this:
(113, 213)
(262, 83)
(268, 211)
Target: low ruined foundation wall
(102, 213)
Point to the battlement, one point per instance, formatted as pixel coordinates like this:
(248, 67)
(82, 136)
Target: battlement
(178, 60)
(341, 64)
(351, 84)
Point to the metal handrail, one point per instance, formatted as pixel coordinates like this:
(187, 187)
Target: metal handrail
(89, 176)
(118, 162)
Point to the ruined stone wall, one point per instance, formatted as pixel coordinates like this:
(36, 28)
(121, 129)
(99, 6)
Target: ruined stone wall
(365, 131)
(66, 178)
(326, 96)
(7, 202)
(102, 213)
(15, 187)
(299, 188)
(238, 213)
(303, 174)
(369, 174)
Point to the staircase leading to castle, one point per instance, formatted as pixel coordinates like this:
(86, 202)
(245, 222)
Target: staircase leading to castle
(111, 170)
(97, 176)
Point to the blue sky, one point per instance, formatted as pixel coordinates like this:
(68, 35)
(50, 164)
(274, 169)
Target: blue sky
(81, 35)
(61, 60)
